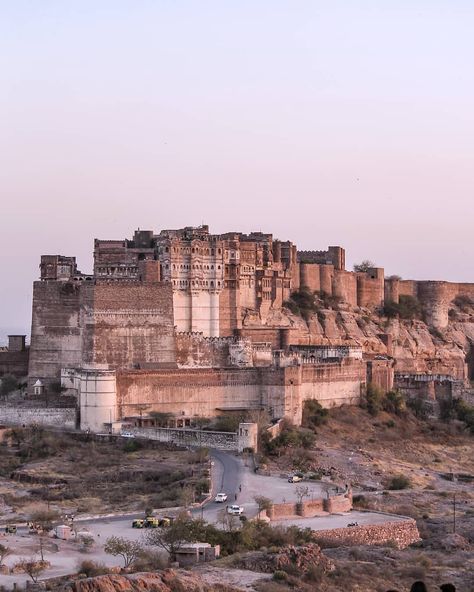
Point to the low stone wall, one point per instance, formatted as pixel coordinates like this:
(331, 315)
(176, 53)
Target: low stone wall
(49, 416)
(401, 533)
(188, 437)
(332, 505)
(312, 507)
(278, 511)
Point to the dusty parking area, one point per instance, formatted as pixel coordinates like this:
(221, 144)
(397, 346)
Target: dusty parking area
(340, 520)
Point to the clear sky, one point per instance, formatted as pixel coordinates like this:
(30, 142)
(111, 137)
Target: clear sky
(325, 122)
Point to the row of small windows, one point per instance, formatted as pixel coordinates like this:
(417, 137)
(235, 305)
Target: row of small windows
(186, 283)
(195, 250)
(196, 266)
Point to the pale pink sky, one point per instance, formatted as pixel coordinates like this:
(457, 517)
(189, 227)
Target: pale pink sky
(335, 122)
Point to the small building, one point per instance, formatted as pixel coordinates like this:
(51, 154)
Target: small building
(197, 553)
(63, 532)
(38, 387)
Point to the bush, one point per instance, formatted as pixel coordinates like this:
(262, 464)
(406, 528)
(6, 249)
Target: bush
(302, 302)
(364, 266)
(313, 414)
(407, 308)
(92, 568)
(227, 423)
(464, 303)
(373, 399)
(394, 402)
(398, 482)
(132, 445)
(465, 413)
(280, 575)
(289, 437)
(8, 384)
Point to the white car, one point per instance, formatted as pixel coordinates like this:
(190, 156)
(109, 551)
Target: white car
(221, 497)
(235, 510)
(127, 435)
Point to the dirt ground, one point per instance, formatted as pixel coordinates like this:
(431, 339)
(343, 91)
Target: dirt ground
(78, 474)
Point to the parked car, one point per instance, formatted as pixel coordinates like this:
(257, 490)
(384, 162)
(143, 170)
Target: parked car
(235, 510)
(10, 529)
(138, 523)
(127, 435)
(221, 497)
(295, 479)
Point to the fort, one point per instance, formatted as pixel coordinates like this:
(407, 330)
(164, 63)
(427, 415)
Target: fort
(193, 324)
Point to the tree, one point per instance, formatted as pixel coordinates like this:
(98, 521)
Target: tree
(364, 266)
(9, 384)
(373, 399)
(187, 496)
(228, 521)
(128, 550)
(263, 503)
(4, 552)
(301, 491)
(32, 567)
(42, 520)
(173, 537)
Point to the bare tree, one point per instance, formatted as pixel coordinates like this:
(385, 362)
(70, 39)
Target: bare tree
(301, 491)
(31, 567)
(128, 550)
(4, 552)
(364, 266)
(42, 519)
(228, 521)
(187, 496)
(263, 503)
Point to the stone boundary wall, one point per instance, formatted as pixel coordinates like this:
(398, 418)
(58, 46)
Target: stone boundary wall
(402, 533)
(187, 437)
(58, 417)
(331, 505)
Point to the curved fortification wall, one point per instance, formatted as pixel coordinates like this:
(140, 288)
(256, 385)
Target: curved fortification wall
(344, 286)
(326, 276)
(310, 276)
(97, 398)
(435, 297)
(392, 290)
(370, 290)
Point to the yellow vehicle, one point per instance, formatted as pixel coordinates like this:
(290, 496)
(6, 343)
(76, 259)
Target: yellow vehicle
(152, 522)
(10, 529)
(138, 523)
(164, 522)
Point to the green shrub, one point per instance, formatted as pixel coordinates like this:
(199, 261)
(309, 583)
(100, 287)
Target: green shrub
(8, 384)
(394, 402)
(373, 399)
(280, 575)
(407, 308)
(465, 413)
(398, 482)
(92, 568)
(314, 414)
(132, 445)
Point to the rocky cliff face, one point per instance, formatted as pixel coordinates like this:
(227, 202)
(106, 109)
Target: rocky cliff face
(164, 581)
(414, 345)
